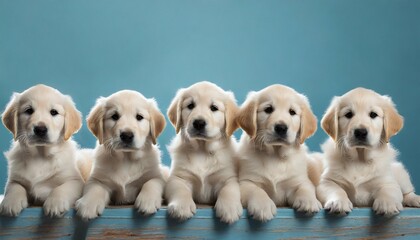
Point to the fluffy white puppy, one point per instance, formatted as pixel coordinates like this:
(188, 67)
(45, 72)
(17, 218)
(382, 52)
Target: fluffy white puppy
(361, 166)
(126, 167)
(203, 154)
(273, 166)
(42, 160)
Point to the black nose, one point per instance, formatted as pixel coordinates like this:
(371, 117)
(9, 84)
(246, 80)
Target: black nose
(199, 124)
(360, 134)
(280, 129)
(127, 137)
(40, 131)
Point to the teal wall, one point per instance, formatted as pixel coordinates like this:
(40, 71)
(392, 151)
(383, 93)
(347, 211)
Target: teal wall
(322, 48)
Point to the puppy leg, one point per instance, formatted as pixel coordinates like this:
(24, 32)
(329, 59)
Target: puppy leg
(303, 199)
(387, 199)
(63, 197)
(14, 201)
(178, 193)
(228, 205)
(259, 204)
(333, 197)
(149, 199)
(95, 198)
(410, 199)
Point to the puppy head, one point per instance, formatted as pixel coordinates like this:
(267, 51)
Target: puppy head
(204, 111)
(362, 118)
(277, 115)
(125, 120)
(41, 115)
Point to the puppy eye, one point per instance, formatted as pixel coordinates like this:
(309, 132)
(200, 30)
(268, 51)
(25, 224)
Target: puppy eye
(191, 106)
(269, 109)
(292, 112)
(29, 111)
(53, 112)
(115, 117)
(213, 108)
(139, 117)
(349, 115)
(373, 115)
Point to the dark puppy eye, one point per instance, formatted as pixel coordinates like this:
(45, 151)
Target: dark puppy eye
(115, 117)
(139, 117)
(213, 108)
(373, 115)
(191, 106)
(53, 112)
(29, 111)
(292, 112)
(349, 115)
(269, 109)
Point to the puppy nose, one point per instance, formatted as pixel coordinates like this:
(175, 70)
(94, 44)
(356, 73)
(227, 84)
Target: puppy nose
(199, 124)
(40, 131)
(127, 137)
(280, 129)
(360, 133)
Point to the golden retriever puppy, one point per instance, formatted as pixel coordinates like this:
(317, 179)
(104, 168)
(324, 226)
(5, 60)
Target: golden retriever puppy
(362, 169)
(42, 160)
(203, 153)
(126, 167)
(273, 166)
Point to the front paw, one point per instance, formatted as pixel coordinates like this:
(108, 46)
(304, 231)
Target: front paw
(386, 206)
(56, 206)
(307, 204)
(182, 209)
(228, 211)
(262, 209)
(411, 200)
(339, 206)
(89, 209)
(148, 204)
(12, 207)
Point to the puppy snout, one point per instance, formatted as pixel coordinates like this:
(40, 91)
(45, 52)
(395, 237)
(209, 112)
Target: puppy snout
(199, 124)
(127, 137)
(40, 130)
(280, 129)
(360, 134)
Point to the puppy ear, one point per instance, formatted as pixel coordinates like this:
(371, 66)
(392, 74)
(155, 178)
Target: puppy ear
(329, 121)
(10, 115)
(308, 123)
(247, 117)
(174, 110)
(72, 120)
(393, 121)
(230, 115)
(157, 120)
(95, 119)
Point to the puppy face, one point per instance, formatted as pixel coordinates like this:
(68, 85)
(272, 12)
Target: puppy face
(41, 115)
(362, 118)
(277, 115)
(125, 120)
(204, 111)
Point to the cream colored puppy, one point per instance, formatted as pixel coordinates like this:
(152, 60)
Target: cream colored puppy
(126, 167)
(203, 153)
(42, 160)
(362, 169)
(273, 158)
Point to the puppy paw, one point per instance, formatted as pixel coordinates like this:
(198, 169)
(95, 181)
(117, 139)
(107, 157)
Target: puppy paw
(339, 206)
(56, 206)
(88, 209)
(387, 207)
(228, 211)
(147, 204)
(307, 204)
(411, 200)
(12, 207)
(182, 210)
(262, 210)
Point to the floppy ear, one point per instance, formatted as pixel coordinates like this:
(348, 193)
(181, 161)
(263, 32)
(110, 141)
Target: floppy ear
(157, 121)
(95, 119)
(231, 110)
(174, 110)
(308, 122)
(10, 115)
(393, 121)
(72, 120)
(329, 121)
(247, 117)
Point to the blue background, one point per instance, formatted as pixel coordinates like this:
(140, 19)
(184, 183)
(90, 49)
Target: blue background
(321, 48)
